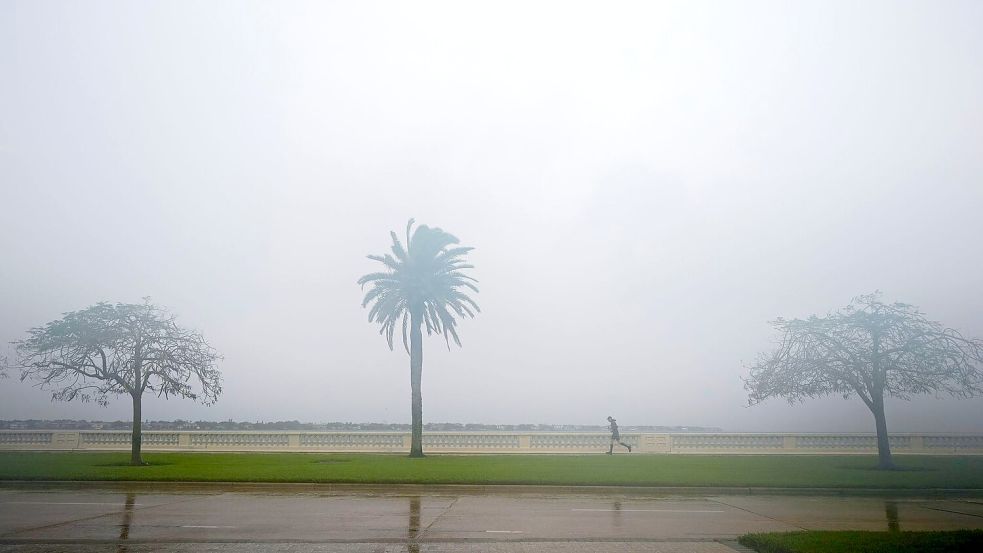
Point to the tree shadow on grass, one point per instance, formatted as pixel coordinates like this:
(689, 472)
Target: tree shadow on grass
(127, 464)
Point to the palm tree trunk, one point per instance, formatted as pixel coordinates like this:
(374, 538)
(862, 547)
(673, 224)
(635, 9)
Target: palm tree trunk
(416, 374)
(883, 443)
(137, 435)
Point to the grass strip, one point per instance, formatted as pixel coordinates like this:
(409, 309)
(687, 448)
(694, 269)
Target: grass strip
(866, 542)
(856, 472)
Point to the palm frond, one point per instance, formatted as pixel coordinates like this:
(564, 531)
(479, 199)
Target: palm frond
(462, 297)
(458, 281)
(371, 294)
(387, 260)
(452, 255)
(430, 323)
(397, 248)
(449, 323)
(409, 225)
(372, 277)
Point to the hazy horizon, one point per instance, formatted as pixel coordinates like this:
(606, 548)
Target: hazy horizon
(380, 423)
(646, 185)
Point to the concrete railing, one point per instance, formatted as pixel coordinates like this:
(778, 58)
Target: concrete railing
(489, 442)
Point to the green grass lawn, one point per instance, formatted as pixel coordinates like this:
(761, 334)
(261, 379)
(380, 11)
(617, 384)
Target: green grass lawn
(866, 542)
(619, 470)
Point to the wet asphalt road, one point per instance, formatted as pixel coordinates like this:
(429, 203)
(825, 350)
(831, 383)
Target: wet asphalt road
(232, 519)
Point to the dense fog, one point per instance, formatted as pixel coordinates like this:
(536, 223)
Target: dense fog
(646, 185)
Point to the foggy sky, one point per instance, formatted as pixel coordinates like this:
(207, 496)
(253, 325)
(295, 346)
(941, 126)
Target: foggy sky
(646, 184)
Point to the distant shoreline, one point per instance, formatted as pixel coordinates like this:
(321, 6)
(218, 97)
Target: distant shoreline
(71, 424)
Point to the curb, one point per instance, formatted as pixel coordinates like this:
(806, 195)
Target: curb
(475, 489)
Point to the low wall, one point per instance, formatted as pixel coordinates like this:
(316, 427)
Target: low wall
(488, 442)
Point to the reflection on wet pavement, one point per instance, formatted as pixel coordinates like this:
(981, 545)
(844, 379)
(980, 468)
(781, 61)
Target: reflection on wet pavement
(414, 526)
(891, 511)
(124, 527)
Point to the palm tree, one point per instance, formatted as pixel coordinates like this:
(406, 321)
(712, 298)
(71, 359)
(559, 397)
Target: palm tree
(423, 286)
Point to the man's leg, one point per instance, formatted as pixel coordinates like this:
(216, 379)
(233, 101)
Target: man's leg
(611, 446)
(626, 445)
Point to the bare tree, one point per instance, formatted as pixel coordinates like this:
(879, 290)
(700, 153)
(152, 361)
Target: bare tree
(869, 349)
(111, 349)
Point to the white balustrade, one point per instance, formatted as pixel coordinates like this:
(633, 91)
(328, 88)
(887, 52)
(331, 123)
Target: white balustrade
(578, 442)
(849, 443)
(491, 442)
(956, 443)
(16, 438)
(102, 439)
(692, 443)
(348, 440)
(240, 439)
(112, 439)
(471, 441)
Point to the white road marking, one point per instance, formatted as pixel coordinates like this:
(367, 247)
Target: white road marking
(65, 503)
(643, 511)
(504, 531)
(212, 527)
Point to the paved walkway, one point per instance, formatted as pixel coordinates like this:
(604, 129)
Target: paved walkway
(376, 520)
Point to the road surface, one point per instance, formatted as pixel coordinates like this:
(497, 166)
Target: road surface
(434, 519)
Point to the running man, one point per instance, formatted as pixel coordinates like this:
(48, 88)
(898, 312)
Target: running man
(615, 436)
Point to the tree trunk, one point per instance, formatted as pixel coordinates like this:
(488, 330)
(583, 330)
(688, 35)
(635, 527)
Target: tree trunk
(416, 374)
(137, 435)
(883, 443)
